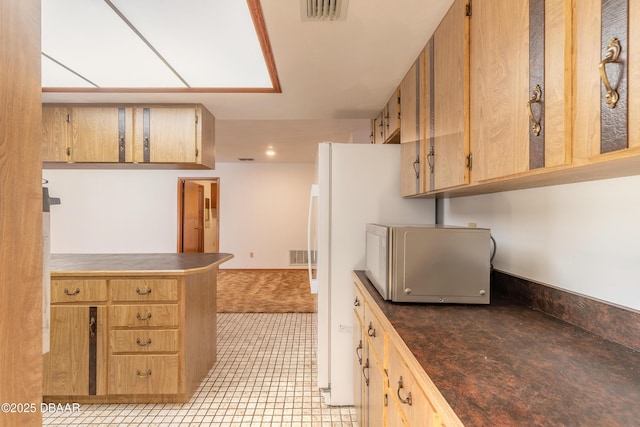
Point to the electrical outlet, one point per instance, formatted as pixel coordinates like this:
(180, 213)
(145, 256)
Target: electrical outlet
(250, 254)
(472, 225)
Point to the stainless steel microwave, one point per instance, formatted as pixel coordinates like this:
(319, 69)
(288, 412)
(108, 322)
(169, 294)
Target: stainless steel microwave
(429, 263)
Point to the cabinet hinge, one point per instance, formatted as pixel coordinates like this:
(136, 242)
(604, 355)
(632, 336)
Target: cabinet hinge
(469, 161)
(467, 9)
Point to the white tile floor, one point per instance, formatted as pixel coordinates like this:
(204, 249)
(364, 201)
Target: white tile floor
(265, 376)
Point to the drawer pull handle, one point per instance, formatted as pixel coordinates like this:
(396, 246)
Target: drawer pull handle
(371, 332)
(356, 303)
(147, 317)
(407, 400)
(365, 366)
(76, 292)
(140, 374)
(92, 327)
(145, 292)
(536, 98)
(143, 344)
(359, 348)
(613, 53)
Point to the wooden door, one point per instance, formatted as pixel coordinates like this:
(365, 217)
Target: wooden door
(95, 134)
(193, 217)
(55, 134)
(451, 98)
(76, 362)
(601, 127)
(172, 135)
(413, 130)
(499, 88)
(376, 398)
(392, 118)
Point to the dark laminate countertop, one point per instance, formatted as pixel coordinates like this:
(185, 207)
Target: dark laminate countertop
(134, 264)
(507, 365)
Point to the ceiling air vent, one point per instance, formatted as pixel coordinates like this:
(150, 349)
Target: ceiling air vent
(323, 10)
(246, 159)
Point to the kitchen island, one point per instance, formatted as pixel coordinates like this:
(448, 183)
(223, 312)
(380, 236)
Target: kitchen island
(131, 327)
(504, 364)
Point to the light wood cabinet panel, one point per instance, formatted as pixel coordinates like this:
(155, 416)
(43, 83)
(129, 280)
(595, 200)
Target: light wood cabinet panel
(392, 119)
(375, 334)
(150, 315)
(499, 88)
(403, 384)
(144, 290)
(376, 400)
(148, 374)
(80, 290)
(600, 129)
(413, 130)
(451, 98)
(95, 136)
(143, 341)
(359, 386)
(55, 134)
(78, 339)
(167, 134)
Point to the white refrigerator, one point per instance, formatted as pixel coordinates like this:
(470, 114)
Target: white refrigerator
(356, 184)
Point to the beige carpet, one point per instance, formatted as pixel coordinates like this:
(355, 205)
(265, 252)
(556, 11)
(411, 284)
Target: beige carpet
(265, 291)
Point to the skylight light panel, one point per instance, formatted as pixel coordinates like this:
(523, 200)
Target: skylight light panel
(90, 39)
(216, 46)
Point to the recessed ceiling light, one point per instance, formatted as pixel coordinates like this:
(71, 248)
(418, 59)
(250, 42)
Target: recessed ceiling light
(270, 152)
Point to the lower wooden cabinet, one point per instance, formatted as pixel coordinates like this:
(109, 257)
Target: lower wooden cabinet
(76, 363)
(391, 389)
(130, 339)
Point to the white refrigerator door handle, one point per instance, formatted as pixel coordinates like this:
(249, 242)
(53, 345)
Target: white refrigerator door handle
(313, 283)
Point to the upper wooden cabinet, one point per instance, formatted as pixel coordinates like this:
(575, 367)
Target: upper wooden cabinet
(385, 129)
(166, 134)
(450, 99)
(607, 79)
(520, 84)
(413, 131)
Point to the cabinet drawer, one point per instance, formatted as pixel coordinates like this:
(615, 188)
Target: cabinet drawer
(144, 290)
(84, 290)
(135, 316)
(421, 410)
(143, 341)
(358, 302)
(149, 374)
(375, 334)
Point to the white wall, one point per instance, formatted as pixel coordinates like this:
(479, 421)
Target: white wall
(263, 209)
(581, 237)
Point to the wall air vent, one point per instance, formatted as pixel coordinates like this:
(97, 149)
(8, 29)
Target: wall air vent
(323, 10)
(301, 257)
(246, 159)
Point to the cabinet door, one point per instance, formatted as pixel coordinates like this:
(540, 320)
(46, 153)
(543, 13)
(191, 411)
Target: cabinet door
(392, 118)
(76, 362)
(99, 134)
(451, 98)
(601, 127)
(55, 134)
(359, 389)
(413, 130)
(168, 135)
(376, 400)
(520, 86)
(499, 88)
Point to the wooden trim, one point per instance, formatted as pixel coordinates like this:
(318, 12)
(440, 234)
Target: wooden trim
(263, 37)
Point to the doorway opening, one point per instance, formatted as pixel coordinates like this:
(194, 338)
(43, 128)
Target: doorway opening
(199, 215)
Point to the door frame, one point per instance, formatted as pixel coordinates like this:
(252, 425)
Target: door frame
(216, 203)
